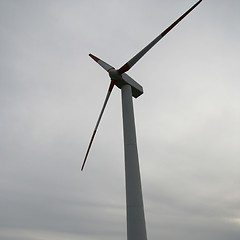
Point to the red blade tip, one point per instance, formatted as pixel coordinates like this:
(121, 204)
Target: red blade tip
(94, 57)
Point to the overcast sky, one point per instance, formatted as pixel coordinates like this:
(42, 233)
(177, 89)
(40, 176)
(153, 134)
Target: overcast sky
(187, 120)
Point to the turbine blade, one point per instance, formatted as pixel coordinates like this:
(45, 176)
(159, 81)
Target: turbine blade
(98, 121)
(137, 57)
(104, 65)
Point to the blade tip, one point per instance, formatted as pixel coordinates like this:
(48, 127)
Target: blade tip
(94, 57)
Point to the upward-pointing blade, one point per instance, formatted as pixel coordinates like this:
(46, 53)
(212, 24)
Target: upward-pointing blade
(132, 61)
(98, 121)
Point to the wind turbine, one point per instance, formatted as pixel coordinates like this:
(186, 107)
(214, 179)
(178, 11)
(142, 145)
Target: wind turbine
(136, 228)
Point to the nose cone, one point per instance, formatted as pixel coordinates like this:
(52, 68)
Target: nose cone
(114, 75)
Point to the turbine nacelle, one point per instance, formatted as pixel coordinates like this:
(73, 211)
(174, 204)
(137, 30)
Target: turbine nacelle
(123, 79)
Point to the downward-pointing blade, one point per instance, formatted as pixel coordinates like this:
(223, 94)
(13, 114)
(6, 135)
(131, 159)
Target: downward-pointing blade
(98, 121)
(132, 61)
(104, 65)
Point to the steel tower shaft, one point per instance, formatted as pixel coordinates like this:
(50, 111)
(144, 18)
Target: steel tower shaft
(136, 227)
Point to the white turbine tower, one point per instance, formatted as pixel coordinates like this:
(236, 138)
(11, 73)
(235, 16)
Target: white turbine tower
(136, 229)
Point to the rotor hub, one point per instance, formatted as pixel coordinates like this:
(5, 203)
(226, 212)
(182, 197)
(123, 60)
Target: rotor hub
(114, 75)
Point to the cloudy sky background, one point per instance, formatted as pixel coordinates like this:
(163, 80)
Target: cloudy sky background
(187, 120)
